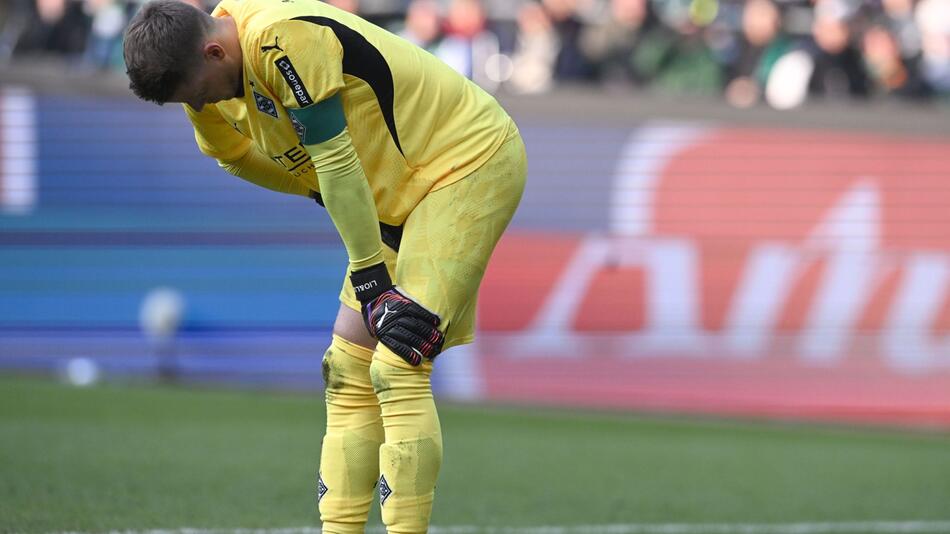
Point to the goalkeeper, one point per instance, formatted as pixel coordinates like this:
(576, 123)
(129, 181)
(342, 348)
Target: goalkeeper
(420, 171)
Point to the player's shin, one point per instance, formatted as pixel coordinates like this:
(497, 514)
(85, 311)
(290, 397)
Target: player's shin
(412, 455)
(349, 460)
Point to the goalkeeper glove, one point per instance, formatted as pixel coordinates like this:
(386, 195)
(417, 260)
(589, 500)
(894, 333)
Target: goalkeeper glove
(394, 318)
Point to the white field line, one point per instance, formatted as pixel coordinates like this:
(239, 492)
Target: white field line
(838, 527)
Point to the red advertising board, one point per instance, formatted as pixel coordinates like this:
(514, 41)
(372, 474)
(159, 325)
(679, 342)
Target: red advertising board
(767, 272)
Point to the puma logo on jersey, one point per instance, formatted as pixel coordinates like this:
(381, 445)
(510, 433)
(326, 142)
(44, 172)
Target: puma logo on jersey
(274, 47)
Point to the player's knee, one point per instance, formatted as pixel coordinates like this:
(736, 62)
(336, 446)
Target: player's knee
(345, 366)
(383, 375)
(330, 368)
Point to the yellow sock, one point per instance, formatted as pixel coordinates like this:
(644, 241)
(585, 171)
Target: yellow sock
(410, 459)
(349, 459)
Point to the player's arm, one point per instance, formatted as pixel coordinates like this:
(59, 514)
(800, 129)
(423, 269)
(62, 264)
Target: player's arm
(390, 315)
(307, 76)
(343, 185)
(237, 154)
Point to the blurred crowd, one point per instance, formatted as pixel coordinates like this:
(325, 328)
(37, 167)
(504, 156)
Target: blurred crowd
(778, 52)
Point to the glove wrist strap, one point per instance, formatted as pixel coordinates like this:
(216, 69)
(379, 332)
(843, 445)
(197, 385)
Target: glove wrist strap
(371, 282)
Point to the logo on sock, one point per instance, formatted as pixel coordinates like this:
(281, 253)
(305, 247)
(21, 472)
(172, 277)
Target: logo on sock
(384, 490)
(321, 488)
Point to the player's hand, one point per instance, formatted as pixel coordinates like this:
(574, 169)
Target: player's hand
(403, 325)
(394, 318)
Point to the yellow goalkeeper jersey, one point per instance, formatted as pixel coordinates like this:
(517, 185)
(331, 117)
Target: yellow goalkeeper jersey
(415, 124)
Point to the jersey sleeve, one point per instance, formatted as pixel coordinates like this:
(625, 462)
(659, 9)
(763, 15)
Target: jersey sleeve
(348, 199)
(215, 137)
(256, 168)
(301, 62)
(237, 154)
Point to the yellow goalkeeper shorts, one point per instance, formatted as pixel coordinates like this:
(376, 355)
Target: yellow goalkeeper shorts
(449, 237)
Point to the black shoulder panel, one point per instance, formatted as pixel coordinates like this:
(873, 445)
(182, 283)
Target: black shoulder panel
(362, 60)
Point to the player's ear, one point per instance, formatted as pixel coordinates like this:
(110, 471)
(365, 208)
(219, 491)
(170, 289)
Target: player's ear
(213, 51)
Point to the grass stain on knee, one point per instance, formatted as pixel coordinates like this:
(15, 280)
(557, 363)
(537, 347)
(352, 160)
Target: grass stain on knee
(381, 384)
(332, 380)
(326, 370)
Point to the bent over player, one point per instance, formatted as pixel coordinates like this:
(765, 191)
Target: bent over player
(420, 171)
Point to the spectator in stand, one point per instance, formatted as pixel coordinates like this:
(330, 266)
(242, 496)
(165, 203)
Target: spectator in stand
(678, 47)
(503, 21)
(933, 19)
(610, 45)
(16, 17)
(674, 55)
(838, 70)
(535, 53)
(468, 43)
(899, 17)
(762, 43)
(423, 24)
(109, 18)
(888, 72)
(57, 26)
(571, 64)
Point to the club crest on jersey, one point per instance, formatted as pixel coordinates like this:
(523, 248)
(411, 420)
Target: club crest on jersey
(265, 105)
(293, 79)
(321, 487)
(384, 490)
(298, 127)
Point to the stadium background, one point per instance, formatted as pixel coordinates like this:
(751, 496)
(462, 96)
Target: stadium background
(683, 246)
(668, 264)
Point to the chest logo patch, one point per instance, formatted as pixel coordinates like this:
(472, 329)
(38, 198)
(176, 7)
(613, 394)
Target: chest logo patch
(265, 105)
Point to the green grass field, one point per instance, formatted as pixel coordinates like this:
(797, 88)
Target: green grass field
(148, 457)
